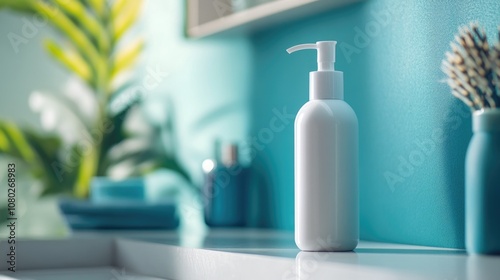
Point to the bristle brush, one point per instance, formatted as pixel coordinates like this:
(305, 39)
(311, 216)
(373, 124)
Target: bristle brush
(473, 68)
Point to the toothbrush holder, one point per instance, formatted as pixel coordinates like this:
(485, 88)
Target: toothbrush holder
(482, 184)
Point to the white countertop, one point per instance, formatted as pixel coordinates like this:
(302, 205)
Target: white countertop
(234, 254)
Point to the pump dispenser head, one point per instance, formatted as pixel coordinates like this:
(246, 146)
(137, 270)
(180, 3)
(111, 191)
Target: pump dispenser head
(326, 53)
(326, 83)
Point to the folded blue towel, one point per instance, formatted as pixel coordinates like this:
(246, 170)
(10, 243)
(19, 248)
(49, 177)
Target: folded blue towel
(83, 214)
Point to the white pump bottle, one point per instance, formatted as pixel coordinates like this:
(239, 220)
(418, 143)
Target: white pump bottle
(326, 161)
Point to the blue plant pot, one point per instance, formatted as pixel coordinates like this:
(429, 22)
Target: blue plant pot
(482, 179)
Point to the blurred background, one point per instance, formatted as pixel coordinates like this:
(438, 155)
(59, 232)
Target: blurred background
(175, 97)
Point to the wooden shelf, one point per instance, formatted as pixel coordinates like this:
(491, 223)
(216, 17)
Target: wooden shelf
(205, 19)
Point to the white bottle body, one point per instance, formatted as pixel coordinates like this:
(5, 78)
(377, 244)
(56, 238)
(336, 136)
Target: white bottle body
(326, 176)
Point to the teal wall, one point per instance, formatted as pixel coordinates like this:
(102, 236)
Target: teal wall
(19, 75)
(413, 134)
(206, 91)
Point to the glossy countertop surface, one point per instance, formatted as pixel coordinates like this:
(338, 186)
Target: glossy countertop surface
(390, 260)
(238, 254)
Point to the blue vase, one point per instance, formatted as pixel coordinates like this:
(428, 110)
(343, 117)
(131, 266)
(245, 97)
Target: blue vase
(482, 184)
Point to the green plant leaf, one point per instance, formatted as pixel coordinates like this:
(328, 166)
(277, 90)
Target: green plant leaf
(4, 142)
(87, 170)
(124, 17)
(37, 151)
(71, 59)
(117, 8)
(126, 57)
(48, 146)
(19, 146)
(4, 214)
(78, 11)
(21, 5)
(77, 37)
(99, 7)
(47, 149)
(172, 164)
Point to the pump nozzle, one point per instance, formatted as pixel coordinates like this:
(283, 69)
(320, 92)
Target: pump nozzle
(326, 83)
(326, 53)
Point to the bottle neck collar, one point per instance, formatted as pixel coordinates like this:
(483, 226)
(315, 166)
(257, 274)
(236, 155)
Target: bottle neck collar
(326, 85)
(486, 120)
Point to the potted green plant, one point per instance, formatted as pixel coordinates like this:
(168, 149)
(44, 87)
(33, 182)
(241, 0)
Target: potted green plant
(89, 47)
